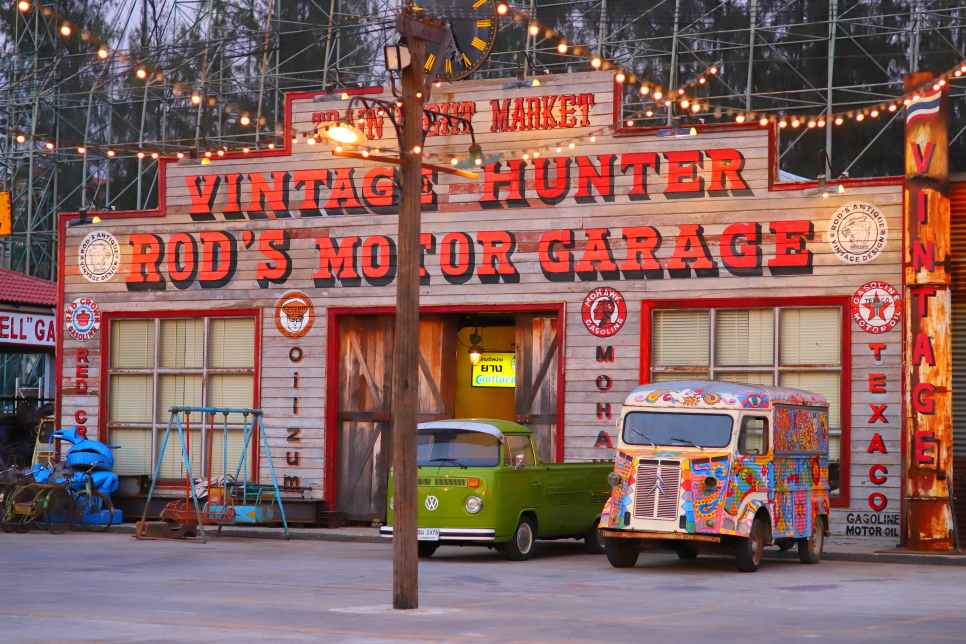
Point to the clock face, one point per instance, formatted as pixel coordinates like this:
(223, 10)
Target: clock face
(474, 25)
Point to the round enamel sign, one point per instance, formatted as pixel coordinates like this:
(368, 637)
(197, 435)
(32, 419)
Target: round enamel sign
(294, 315)
(877, 307)
(82, 319)
(604, 312)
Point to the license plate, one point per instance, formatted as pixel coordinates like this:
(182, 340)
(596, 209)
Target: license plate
(427, 534)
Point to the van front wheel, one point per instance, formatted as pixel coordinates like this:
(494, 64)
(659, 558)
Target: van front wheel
(426, 549)
(594, 540)
(750, 549)
(621, 553)
(520, 547)
(810, 549)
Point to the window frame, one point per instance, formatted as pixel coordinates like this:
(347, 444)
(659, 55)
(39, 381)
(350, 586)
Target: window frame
(766, 437)
(108, 318)
(842, 498)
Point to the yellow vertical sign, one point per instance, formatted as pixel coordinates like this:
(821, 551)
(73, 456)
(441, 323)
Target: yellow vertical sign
(6, 214)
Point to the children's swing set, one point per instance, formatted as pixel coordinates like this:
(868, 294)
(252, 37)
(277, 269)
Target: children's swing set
(229, 501)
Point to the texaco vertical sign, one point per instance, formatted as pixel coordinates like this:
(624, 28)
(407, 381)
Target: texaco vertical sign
(928, 397)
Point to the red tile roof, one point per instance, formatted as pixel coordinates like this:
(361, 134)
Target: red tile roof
(23, 289)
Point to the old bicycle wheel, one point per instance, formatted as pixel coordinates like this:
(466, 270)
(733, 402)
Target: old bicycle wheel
(58, 511)
(91, 509)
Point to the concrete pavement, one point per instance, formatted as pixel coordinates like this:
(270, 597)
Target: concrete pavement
(85, 588)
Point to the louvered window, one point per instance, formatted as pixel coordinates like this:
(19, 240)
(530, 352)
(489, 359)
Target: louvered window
(797, 347)
(157, 364)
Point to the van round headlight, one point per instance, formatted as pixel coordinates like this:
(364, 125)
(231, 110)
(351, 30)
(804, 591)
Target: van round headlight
(614, 479)
(391, 499)
(474, 504)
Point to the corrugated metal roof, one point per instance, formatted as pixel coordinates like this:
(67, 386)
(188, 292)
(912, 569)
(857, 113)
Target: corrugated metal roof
(18, 288)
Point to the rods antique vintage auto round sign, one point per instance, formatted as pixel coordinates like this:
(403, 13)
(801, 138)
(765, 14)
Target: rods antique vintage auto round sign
(877, 307)
(857, 232)
(604, 312)
(98, 256)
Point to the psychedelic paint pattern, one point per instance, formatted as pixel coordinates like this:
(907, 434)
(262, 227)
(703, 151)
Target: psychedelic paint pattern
(801, 429)
(617, 510)
(709, 480)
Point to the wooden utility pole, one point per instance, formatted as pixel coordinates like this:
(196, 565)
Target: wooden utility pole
(405, 354)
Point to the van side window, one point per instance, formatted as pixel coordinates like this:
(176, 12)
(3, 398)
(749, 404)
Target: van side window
(516, 445)
(753, 435)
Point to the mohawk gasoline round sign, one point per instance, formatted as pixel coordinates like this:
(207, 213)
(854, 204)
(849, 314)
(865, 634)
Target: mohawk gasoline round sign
(604, 312)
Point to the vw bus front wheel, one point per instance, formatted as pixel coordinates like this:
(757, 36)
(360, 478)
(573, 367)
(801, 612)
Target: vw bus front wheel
(810, 549)
(520, 547)
(750, 549)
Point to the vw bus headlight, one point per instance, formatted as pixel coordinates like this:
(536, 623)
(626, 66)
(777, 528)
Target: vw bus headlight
(474, 504)
(614, 479)
(391, 499)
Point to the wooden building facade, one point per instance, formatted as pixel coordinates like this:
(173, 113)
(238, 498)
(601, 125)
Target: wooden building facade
(612, 258)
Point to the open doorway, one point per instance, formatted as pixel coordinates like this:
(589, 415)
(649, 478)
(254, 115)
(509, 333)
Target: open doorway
(516, 379)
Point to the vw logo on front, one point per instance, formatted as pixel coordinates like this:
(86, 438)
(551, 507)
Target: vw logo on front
(431, 503)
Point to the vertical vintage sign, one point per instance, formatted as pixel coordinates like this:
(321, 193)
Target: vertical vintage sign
(928, 355)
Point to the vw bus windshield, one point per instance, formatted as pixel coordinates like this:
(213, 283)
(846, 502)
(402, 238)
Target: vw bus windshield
(443, 447)
(676, 429)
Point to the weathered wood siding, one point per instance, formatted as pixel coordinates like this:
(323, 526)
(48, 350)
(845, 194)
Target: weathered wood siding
(285, 243)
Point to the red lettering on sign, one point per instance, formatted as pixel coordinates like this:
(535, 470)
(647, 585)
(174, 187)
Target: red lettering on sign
(513, 177)
(546, 112)
(877, 445)
(642, 242)
(741, 249)
(552, 195)
(556, 258)
(182, 260)
(219, 259)
(922, 400)
(922, 296)
(495, 263)
(232, 209)
(82, 355)
(457, 258)
(922, 159)
(603, 440)
(379, 260)
(427, 244)
(4, 326)
(274, 245)
(80, 416)
(922, 350)
(877, 349)
(874, 474)
(80, 371)
(924, 446)
(39, 330)
(878, 501)
(691, 251)
(343, 194)
(602, 180)
(585, 101)
(877, 383)
(791, 255)
(519, 116)
(878, 413)
(310, 182)
(567, 110)
(923, 255)
(501, 115)
(597, 256)
(682, 173)
(726, 167)
(337, 260)
(378, 190)
(276, 196)
(639, 162)
(145, 263)
(202, 190)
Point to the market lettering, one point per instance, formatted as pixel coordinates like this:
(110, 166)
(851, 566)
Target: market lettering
(541, 112)
(585, 179)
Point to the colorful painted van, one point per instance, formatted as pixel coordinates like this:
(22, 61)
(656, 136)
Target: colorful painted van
(719, 466)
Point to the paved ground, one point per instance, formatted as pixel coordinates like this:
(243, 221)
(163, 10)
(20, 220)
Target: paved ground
(110, 588)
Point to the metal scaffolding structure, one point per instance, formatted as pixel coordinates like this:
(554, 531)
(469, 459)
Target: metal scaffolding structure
(94, 92)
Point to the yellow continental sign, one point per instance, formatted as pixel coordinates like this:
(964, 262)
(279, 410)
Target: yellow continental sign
(495, 370)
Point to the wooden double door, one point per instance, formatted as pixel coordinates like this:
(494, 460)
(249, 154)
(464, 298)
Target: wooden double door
(365, 396)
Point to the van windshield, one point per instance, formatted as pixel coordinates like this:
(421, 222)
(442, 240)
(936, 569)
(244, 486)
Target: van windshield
(677, 429)
(443, 447)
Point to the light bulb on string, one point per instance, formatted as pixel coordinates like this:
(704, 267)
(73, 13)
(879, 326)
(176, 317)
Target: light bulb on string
(65, 30)
(111, 153)
(196, 99)
(796, 123)
(536, 154)
(763, 122)
(81, 150)
(740, 118)
(859, 117)
(244, 120)
(630, 123)
(812, 124)
(649, 113)
(454, 161)
(23, 6)
(680, 91)
(141, 154)
(141, 73)
(915, 98)
(596, 63)
(685, 103)
(695, 108)
(783, 124)
(713, 70)
(874, 113)
(271, 146)
(644, 90)
(658, 95)
(821, 122)
(180, 155)
(534, 29)
(155, 155)
(102, 53)
(417, 149)
(892, 108)
(502, 9)
(21, 138)
(839, 120)
(620, 77)
(593, 139)
(50, 145)
(702, 80)
(559, 149)
(571, 145)
(562, 48)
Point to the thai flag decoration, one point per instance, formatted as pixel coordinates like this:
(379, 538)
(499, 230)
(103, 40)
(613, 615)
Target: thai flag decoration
(925, 107)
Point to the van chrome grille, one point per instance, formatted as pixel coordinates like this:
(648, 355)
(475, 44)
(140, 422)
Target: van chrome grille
(654, 500)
